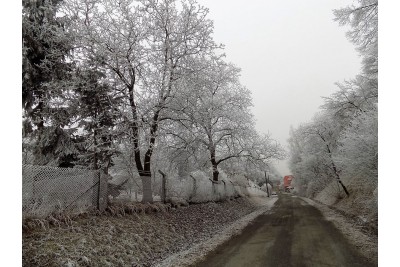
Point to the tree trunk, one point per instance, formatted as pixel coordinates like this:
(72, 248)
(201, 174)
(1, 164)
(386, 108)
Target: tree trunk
(344, 188)
(215, 171)
(144, 171)
(339, 180)
(266, 183)
(95, 158)
(215, 174)
(214, 165)
(145, 175)
(147, 191)
(336, 171)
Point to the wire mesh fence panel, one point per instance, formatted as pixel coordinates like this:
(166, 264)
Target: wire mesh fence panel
(48, 189)
(198, 187)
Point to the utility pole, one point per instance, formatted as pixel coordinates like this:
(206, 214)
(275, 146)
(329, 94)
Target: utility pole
(266, 182)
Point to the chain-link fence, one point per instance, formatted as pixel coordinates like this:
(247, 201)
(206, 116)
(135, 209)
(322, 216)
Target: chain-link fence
(198, 187)
(48, 189)
(194, 187)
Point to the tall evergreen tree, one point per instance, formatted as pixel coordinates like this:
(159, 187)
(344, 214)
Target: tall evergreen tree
(45, 68)
(97, 120)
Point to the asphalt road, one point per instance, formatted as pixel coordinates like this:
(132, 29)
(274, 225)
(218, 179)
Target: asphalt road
(293, 233)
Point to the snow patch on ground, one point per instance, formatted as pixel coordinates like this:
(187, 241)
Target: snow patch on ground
(200, 250)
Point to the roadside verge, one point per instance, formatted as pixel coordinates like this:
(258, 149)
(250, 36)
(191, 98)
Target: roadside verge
(132, 239)
(367, 245)
(197, 252)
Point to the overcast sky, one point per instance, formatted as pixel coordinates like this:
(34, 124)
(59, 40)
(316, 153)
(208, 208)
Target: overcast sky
(291, 53)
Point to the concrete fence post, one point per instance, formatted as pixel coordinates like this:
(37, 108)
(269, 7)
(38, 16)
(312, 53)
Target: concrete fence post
(225, 191)
(163, 193)
(194, 188)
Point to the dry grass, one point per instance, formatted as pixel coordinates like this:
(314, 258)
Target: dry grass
(114, 209)
(365, 242)
(123, 208)
(361, 206)
(357, 215)
(126, 234)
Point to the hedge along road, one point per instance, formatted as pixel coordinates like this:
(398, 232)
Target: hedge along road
(293, 233)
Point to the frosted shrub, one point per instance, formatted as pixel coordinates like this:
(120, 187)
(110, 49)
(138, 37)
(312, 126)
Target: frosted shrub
(241, 191)
(240, 180)
(131, 184)
(230, 189)
(203, 189)
(198, 187)
(240, 184)
(180, 187)
(219, 191)
(255, 191)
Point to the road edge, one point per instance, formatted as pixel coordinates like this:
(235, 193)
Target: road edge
(366, 245)
(199, 250)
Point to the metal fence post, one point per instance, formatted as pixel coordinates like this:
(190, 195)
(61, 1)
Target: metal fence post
(95, 195)
(99, 190)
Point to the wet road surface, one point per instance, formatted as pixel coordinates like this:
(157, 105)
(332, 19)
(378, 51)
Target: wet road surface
(293, 233)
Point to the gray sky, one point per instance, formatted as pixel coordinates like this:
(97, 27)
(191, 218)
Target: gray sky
(291, 53)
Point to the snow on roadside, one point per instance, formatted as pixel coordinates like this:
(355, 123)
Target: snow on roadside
(201, 249)
(367, 245)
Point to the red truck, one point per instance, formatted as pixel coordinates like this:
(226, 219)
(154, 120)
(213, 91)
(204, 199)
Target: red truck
(287, 183)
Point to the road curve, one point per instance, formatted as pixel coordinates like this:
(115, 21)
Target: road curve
(293, 233)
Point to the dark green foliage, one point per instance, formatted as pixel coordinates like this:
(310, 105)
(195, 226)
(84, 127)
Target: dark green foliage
(46, 46)
(97, 119)
(54, 146)
(58, 98)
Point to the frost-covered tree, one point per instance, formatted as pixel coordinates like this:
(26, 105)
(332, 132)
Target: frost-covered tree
(46, 66)
(358, 151)
(45, 46)
(355, 104)
(215, 115)
(144, 46)
(141, 76)
(350, 114)
(353, 98)
(216, 111)
(359, 94)
(363, 19)
(95, 118)
(319, 144)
